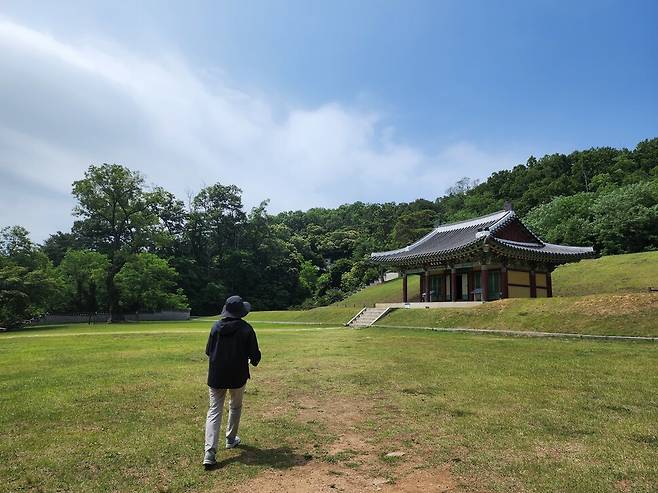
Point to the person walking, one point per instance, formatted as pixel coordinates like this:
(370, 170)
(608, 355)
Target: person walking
(231, 346)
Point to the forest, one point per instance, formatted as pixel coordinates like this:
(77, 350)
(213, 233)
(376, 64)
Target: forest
(138, 248)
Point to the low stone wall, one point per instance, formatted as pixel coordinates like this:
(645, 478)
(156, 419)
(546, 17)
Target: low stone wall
(163, 316)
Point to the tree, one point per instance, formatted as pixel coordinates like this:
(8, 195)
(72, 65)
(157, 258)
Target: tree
(462, 186)
(168, 237)
(147, 282)
(564, 219)
(214, 230)
(308, 277)
(626, 219)
(29, 284)
(413, 226)
(84, 272)
(56, 245)
(116, 217)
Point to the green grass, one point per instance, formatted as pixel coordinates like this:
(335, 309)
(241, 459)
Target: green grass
(331, 315)
(388, 292)
(119, 410)
(630, 273)
(625, 315)
(606, 296)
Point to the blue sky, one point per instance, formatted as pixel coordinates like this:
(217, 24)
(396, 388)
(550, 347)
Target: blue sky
(311, 103)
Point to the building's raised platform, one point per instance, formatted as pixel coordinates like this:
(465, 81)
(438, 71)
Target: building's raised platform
(432, 304)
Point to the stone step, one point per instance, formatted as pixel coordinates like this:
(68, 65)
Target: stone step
(367, 317)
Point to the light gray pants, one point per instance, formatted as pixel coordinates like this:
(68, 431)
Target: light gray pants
(215, 410)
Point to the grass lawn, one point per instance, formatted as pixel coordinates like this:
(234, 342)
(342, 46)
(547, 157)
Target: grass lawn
(331, 315)
(122, 408)
(388, 292)
(612, 314)
(630, 273)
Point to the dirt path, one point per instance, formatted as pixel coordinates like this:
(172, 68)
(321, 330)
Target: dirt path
(351, 463)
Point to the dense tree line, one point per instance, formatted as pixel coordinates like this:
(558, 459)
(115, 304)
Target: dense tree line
(134, 247)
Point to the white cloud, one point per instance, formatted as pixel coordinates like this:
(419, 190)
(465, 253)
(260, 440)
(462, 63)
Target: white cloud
(66, 105)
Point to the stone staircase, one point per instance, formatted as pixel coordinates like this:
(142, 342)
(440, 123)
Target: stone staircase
(367, 317)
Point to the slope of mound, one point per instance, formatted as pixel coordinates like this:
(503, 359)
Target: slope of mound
(388, 292)
(329, 315)
(629, 273)
(603, 314)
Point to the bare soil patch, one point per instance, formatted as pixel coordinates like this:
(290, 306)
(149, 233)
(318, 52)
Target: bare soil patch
(353, 462)
(320, 477)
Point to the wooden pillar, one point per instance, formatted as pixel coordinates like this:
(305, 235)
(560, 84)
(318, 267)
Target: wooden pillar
(405, 298)
(503, 282)
(470, 286)
(484, 283)
(533, 284)
(444, 287)
(549, 285)
(428, 285)
(453, 284)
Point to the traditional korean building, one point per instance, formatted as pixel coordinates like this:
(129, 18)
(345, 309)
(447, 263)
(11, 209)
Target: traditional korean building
(487, 258)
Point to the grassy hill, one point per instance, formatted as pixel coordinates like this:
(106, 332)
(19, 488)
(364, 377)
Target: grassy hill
(330, 315)
(600, 296)
(630, 273)
(604, 314)
(388, 292)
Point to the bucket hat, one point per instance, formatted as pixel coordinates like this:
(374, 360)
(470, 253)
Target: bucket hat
(235, 307)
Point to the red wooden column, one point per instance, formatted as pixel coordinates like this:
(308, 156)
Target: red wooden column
(428, 285)
(444, 290)
(470, 285)
(549, 285)
(503, 281)
(533, 284)
(453, 284)
(405, 298)
(484, 283)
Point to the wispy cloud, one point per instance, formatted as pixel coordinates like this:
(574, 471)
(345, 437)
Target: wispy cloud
(65, 105)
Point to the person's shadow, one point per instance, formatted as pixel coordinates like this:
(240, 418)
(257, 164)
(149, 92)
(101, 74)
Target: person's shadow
(276, 458)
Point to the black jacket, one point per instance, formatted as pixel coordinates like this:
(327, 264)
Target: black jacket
(232, 344)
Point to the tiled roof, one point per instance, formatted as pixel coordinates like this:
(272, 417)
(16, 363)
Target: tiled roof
(452, 240)
(549, 249)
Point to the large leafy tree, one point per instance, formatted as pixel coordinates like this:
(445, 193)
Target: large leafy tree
(147, 282)
(214, 234)
(412, 226)
(84, 272)
(29, 284)
(115, 214)
(57, 244)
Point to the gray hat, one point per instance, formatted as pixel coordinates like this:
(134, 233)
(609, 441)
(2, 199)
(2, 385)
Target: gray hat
(235, 307)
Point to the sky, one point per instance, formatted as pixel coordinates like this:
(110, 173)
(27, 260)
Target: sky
(311, 103)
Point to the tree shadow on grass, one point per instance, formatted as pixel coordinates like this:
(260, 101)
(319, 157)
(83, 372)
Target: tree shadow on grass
(276, 458)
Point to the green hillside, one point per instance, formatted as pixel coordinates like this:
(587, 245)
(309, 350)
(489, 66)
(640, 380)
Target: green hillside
(388, 292)
(324, 315)
(630, 273)
(603, 314)
(608, 296)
